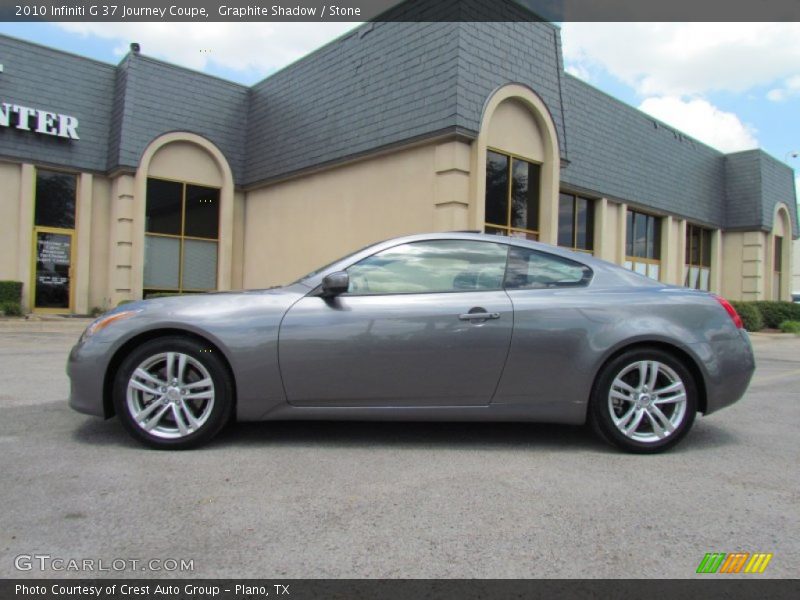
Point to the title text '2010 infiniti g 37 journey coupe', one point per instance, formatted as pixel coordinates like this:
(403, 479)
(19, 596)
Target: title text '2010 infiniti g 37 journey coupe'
(454, 326)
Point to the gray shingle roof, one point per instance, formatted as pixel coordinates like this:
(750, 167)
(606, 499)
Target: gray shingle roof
(47, 79)
(380, 85)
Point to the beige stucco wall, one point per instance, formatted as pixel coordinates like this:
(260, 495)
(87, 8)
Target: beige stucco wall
(237, 274)
(796, 266)
(513, 130)
(185, 161)
(101, 220)
(732, 247)
(9, 220)
(296, 226)
(744, 265)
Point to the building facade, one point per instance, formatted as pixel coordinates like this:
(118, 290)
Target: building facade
(119, 181)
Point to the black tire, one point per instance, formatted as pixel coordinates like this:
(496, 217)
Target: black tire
(210, 405)
(651, 433)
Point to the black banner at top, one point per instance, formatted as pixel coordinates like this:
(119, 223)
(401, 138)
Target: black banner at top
(395, 10)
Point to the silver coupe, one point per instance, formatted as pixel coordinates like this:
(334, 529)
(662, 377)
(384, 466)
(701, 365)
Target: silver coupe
(454, 326)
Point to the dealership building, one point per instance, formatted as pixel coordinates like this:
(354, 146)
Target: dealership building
(119, 181)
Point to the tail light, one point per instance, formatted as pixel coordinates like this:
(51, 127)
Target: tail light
(737, 320)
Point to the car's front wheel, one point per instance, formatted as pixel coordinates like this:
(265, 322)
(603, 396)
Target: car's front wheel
(173, 393)
(644, 401)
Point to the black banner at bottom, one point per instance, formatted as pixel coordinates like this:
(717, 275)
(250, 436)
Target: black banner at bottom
(404, 589)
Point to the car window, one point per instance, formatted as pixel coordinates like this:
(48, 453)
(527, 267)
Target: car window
(529, 269)
(428, 267)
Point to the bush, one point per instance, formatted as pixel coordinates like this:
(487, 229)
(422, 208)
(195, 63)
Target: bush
(751, 316)
(11, 309)
(790, 327)
(774, 313)
(11, 291)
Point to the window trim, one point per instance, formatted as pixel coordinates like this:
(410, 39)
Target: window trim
(60, 171)
(591, 203)
(688, 265)
(507, 228)
(656, 247)
(688, 260)
(318, 290)
(586, 279)
(181, 289)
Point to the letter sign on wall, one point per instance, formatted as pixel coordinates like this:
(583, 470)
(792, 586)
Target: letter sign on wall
(38, 121)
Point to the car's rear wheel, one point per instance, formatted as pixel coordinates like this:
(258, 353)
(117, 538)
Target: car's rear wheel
(644, 401)
(173, 393)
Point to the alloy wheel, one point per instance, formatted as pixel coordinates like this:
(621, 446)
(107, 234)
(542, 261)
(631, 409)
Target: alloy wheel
(170, 395)
(647, 401)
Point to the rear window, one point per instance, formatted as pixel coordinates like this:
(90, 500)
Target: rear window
(529, 269)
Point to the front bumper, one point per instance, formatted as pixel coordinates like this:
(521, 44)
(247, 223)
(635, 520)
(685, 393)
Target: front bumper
(86, 368)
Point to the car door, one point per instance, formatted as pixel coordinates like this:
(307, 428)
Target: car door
(422, 324)
(552, 359)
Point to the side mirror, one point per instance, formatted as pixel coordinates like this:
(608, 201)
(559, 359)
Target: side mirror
(335, 284)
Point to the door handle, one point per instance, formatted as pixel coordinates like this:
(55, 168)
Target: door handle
(478, 316)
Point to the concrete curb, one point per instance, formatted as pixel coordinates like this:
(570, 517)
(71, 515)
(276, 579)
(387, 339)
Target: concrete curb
(39, 324)
(773, 336)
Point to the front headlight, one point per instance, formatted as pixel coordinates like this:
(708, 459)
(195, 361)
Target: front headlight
(107, 320)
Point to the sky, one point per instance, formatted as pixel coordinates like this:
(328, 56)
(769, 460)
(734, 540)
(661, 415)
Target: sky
(733, 86)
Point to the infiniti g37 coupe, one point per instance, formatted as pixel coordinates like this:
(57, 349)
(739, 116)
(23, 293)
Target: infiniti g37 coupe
(456, 326)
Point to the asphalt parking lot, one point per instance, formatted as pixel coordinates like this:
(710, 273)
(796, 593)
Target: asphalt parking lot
(392, 499)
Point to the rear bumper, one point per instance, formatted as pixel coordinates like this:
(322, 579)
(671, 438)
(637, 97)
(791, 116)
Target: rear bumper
(729, 366)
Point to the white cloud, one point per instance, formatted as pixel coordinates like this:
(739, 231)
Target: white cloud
(262, 47)
(704, 121)
(674, 59)
(579, 71)
(790, 88)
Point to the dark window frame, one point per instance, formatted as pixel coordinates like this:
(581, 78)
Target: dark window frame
(652, 242)
(651, 261)
(777, 254)
(584, 281)
(419, 293)
(182, 237)
(40, 171)
(590, 221)
(507, 228)
(697, 242)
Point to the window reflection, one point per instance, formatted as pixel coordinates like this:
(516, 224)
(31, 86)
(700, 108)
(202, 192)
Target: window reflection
(430, 267)
(575, 222)
(512, 196)
(528, 269)
(698, 257)
(643, 244)
(181, 241)
(55, 199)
